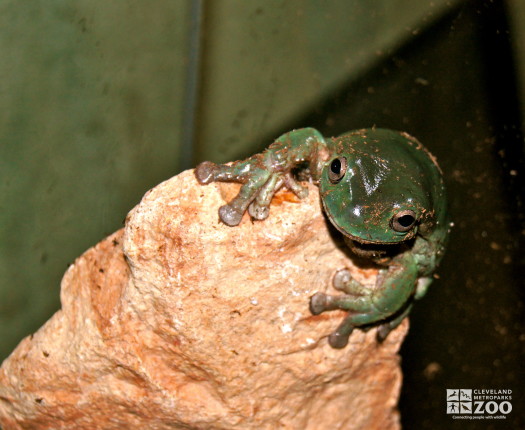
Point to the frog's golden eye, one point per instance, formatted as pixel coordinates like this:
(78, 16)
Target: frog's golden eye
(337, 169)
(403, 221)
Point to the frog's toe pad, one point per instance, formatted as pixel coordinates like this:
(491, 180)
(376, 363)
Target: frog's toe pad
(229, 215)
(258, 212)
(317, 303)
(341, 279)
(205, 172)
(338, 340)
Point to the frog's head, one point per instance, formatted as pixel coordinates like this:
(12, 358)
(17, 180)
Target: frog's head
(380, 187)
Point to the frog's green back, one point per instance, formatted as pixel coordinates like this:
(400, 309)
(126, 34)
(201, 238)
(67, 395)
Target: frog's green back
(388, 172)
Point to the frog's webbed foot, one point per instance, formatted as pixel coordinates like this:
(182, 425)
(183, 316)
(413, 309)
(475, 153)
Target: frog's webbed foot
(259, 186)
(249, 173)
(358, 302)
(321, 302)
(231, 213)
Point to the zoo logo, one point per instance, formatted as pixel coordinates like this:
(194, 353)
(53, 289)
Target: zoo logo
(461, 401)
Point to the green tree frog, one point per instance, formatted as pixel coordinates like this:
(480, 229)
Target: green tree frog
(380, 188)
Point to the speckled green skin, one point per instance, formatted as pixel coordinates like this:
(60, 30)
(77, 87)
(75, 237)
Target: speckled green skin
(381, 189)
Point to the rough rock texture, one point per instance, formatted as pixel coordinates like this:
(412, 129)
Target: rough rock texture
(178, 321)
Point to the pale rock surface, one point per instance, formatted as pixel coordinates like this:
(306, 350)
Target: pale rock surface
(180, 322)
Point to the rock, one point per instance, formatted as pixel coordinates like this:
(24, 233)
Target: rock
(178, 321)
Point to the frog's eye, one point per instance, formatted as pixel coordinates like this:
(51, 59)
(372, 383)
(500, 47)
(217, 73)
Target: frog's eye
(337, 169)
(403, 221)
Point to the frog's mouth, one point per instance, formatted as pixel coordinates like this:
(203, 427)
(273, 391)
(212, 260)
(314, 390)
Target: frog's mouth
(366, 249)
(373, 250)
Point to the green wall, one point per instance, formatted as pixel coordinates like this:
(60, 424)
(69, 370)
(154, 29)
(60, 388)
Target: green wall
(91, 109)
